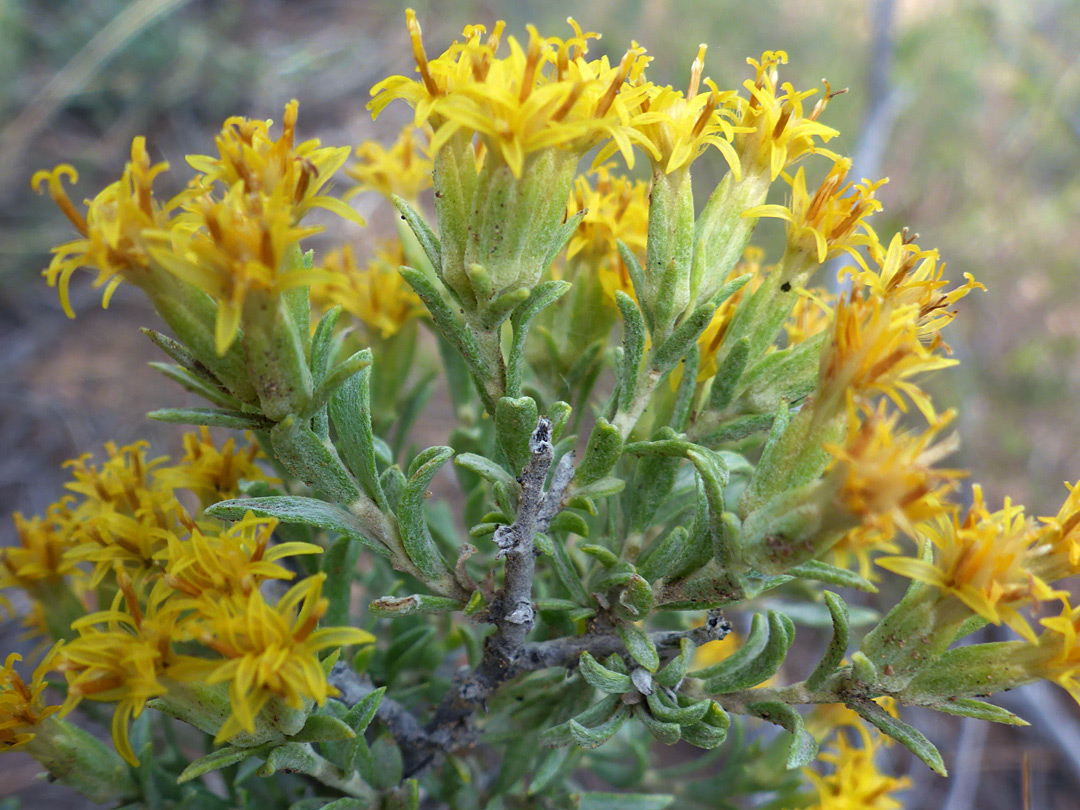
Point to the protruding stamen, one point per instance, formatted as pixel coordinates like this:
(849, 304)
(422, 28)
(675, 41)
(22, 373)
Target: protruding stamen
(706, 114)
(696, 67)
(418, 52)
(532, 62)
(59, 194)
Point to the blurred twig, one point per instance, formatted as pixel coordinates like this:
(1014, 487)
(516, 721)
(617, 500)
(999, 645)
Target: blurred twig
(75, 75)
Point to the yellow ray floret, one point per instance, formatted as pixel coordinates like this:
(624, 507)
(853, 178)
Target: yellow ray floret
(40, 554)
(113, 229)
(985, 561)
(22, 705)
(376, 294)
(773, 129)
(404, 169)
(272, 651)
(541, 95)
(1058, 655)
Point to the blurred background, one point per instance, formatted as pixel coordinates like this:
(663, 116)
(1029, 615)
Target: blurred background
(971, 107)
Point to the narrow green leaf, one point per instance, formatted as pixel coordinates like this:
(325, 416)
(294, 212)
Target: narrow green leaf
(600, 677)
(909, 737)
(803, 747)
(601, 453)
(754, 670)
(350, 412)
(755, 643)
(449, 326)
(622, 801)
(979, 709)
(598, 735)
(637, 277)
(415, 534)
(542, 296)
(424, 235)
(221, 758)
(663, 708)
(211, 417)
(711, 730)
(339, 565)
(295, 509)
(196, 385)
(665, 732)
(515, 421)
(394, 606)
(837, 649)
(485, 468)
(313, 461)
(830, 574)
(323, 728)
(639, 645)
(633, 347)
(676, 668)
(728, 375)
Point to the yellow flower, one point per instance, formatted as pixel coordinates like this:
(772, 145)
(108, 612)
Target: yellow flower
(208, 566)
(40, 553)
(909, 275)
(213, 474)
(772, 131)
(122, 655)
(678, 128)
(811, 315)
(114, 228)
(22, 706)
(888, 478)
(403, 170)
(249, 157)
(855, 783)
(237, 245)
(616, 209)
(874, 347)
(376, 295)
(1057, 655)
(1060, 538)
(544, 95)
(711, 340)
(984, 561)
(272, 651)
(125, 514)
(829, 223)
(861, 546)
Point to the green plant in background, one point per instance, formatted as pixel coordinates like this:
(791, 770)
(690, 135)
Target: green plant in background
(302, 602)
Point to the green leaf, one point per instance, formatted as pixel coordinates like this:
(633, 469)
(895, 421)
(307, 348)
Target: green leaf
(359, 717)
(663, 708)
(339, 564)
(350, 411)
(601, 453)
(448, 325)
(221, 758)
(665, 732)
(803, 747)
(323, 728)
(639, 645)
(622, 801)
(424, 235)
(542, 296)
(600, 677)
(322, 341)
(296, 509)
(752, 670)
(570, 522)
(414, 529)
(830, 574)
(485, 468)
(289, 757)
(637, 277)
(196, 385)
(392, 607)
(311, 460)
(979, 709)
(676, 668)
(837, 649)
(596, 714)
(711, 730)
(754, 645)
(602, 488)
(211, 417)
(728, 374)
(911, 738)
(335, 378)
(515, 421)
(654, 476)
(598, 735)
(633, 347)
(684, 395)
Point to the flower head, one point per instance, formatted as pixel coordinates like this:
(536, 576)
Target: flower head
(711, 340)
(984, 561)
(678, 128)
(889, 479)
(114, 228)
(541, 95)
(272, 651)
(233, 562)
(616, 210)
(404, 169)
(855, 783)
(811, 315)
(212, 473)
(22, 706)
(376, 295)
(123, 654)
(773, 130)
(40, 553)
(828, 223)
(250, 158)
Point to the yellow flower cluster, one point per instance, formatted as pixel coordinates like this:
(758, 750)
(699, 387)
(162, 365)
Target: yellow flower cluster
(713, 337)
(616, 210)
(376, 295)
(856, 783)
(234, 231)
(22, 705)
(403, 170)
